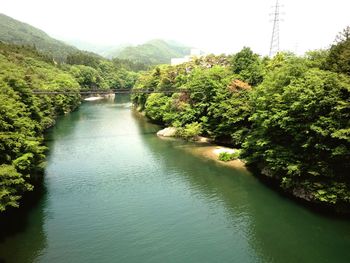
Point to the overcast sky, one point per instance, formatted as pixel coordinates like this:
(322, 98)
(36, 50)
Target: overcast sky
(214, 26)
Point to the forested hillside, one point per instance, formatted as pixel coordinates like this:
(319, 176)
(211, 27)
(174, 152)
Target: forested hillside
(15, 32)
(289, 115)
(93, 71)
(154, 52)
(24, 116)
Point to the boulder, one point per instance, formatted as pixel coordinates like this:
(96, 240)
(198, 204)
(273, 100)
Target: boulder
(167, 132)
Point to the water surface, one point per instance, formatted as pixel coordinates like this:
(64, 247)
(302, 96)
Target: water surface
(117, 193)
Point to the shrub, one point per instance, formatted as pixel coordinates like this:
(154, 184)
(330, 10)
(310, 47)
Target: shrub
(226, 157)
(191, 131)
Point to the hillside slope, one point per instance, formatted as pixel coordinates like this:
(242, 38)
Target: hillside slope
(24, 116)
(13, 31)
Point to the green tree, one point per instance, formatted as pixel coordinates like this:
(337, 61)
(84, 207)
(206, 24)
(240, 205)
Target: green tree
(88, 77)
(155, 106)
(247, 65)
(12, 186)
(300, 127)
(339, 54)
(84, 58)
(191, 131)
(229, 113)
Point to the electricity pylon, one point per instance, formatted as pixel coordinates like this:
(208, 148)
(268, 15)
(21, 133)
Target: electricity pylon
(275, 38)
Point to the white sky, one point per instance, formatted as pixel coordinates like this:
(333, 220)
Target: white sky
(214, 26)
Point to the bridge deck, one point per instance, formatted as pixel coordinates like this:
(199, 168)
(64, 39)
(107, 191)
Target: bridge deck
(111, 91)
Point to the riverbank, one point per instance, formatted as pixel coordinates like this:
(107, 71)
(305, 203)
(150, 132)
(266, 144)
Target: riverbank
(212, 152)
(301, 194)
(204, 147)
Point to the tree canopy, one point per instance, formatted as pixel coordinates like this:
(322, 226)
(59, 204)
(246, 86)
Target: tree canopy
(289, 115)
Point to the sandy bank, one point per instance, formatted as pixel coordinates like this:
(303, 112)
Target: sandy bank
(212, 152)
(203, 147)
(207, 150)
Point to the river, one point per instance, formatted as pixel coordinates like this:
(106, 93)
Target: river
(115, 192)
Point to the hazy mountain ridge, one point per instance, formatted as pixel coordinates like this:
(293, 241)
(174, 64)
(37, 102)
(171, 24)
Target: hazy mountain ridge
(101, 49)
(13, 31)
(153, 52)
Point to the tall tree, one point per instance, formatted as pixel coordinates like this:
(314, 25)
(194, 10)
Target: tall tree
(248, 66)
(339, 54)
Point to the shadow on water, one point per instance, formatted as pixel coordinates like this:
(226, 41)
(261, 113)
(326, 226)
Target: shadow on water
(16, 222)
(277, 228)
(27, 222)
(122, 98)
(319, 209)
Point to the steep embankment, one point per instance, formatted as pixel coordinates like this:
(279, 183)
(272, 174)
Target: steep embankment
(25, 116)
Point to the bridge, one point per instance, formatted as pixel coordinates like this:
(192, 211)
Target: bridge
(110, 91)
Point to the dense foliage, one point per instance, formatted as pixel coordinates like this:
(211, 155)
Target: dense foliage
(289, 115)
(213, 97)
(300, 131)
(93, 71)
(25, 116)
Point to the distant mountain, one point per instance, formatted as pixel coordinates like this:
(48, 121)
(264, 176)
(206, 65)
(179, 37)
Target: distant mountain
(102, 50)
(112, 52)
(154, 52)
(15, 32)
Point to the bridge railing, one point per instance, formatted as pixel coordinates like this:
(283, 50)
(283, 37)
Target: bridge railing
(110, 91)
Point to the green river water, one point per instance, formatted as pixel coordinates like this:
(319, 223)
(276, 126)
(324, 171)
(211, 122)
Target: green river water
(115, 192)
